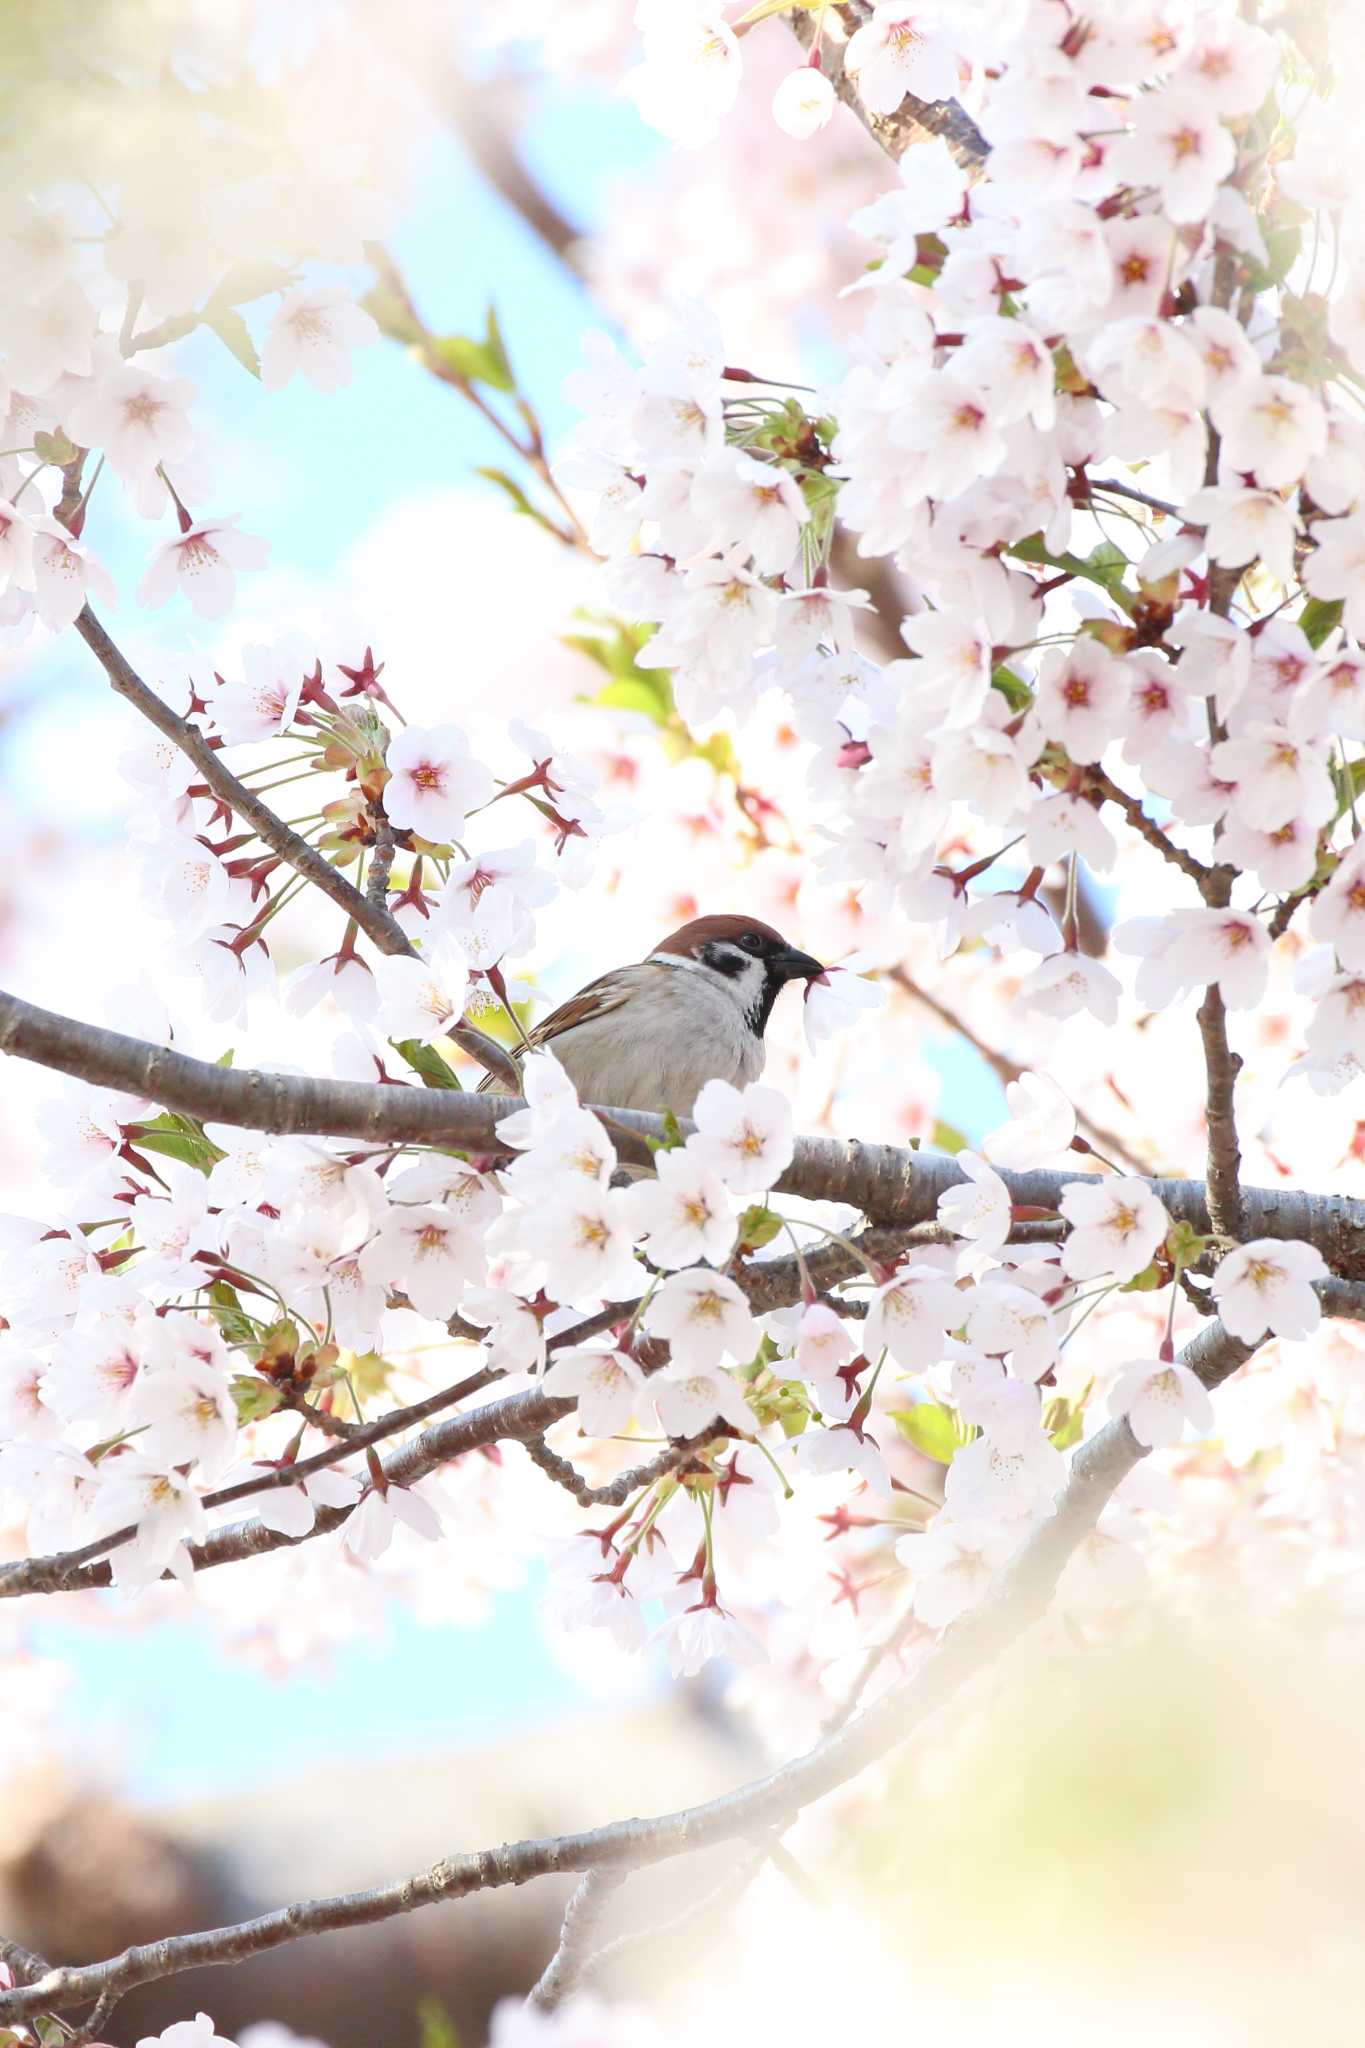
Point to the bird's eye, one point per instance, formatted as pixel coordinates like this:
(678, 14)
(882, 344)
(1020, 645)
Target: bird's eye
(751, 943)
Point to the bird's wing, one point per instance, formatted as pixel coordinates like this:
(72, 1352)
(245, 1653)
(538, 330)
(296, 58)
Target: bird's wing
(598, 999)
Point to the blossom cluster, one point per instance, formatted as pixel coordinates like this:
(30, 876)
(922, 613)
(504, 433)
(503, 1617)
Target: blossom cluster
(1098, 297)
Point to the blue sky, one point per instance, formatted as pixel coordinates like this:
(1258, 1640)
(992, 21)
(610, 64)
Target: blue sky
(164, 1696)
(331, 463)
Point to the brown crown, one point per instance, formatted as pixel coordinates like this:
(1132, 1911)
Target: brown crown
(689, 938)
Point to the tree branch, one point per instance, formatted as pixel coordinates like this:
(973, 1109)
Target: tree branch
(890, 1184)
(1020, 1596)
(617, 1491)
(582, 1918)
(914, 120)
(481, 120)
(372, 918)
(1104, 787)
(1222, 1066)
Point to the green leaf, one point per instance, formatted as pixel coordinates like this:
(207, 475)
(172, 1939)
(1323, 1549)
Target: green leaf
(1145, 1282)
(672, 1135)
(224, 1059)
(236, 1326)
(520, 502)
(179, 1137)
(54, 447)
(934, 1430)
(1282, 245)
(758, 1226)
(473, 362)
(1064, 1423)
(1319, 617)
(1012, 688)
(393, 316)
(234, 334)
(945, 1138)
(634, 693)
(497, 350)
(426, 1061)
(1349, 777)
(254, 1397)
(1104, 566)
(436, 2029)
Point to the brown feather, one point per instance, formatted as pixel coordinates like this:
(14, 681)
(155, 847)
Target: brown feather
(721, 925)
(589, 1002)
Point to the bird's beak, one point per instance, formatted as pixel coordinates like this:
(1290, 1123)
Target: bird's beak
(794, 966)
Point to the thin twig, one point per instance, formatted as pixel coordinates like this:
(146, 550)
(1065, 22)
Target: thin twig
(617, 1490)
(730, 1889)
(1221, 1066)
(1108, 791)
(582, 1918)
(381, 858)
(383, 930)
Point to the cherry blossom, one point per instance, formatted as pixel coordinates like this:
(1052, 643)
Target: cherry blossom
(910, 1315)
(1159, 1396)
(65, 574)
(689, 1399)
(743, 1134)
(901, 50)
(1042, 1122)
(137, 417)
(952, 1565)
(195, 2033)
(1267, 1286)
(685, 1213)
(704, 1317)
(314, 330)
(421, 997)
(1116, 1226)
(434, 781)
(201, 563)
(980, 1210)
(607, 1385)
(803, 102)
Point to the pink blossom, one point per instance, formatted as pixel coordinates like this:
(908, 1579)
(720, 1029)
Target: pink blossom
(434, 782)
(201, 563)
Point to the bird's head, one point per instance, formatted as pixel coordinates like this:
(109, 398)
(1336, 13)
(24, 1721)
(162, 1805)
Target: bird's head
(753, 961)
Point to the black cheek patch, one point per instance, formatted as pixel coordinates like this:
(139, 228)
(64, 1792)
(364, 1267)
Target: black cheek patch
(724, 959)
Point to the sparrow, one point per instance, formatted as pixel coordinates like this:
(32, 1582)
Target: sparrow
(651, 1035)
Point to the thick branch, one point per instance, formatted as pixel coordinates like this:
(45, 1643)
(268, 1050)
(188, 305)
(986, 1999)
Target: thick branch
(913, 121)
(1020, 1596)
(888, 1183)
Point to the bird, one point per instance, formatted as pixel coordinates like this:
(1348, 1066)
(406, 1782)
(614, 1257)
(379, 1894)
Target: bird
(650, 1035)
